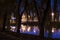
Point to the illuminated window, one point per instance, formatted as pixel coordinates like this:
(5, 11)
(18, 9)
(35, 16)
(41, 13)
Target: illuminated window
(24, 18)
(52, 15)
(11, 22)
(29, 21)
(13, 19)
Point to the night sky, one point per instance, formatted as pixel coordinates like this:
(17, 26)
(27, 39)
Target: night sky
(52, 4)
(59, 6)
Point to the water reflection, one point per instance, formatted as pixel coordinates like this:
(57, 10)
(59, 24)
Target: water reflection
(29, 29)
(13, 28)
(53, 30)
(23, 28)
(55, 33)
(52, 14)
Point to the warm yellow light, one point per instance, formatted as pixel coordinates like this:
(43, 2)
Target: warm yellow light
(52, 14)
(29, 28)
(28, 16)
(23, 16)
(24, 19)
(53, 30)
(23, 27)
(6, 27)
(12, 21)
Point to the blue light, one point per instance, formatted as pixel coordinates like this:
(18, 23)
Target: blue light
(54, 35)
(31, 32)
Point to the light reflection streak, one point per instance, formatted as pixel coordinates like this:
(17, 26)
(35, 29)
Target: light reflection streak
(28, 29)
(13, 28)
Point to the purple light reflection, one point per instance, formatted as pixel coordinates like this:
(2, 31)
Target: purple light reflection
(32, 30)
